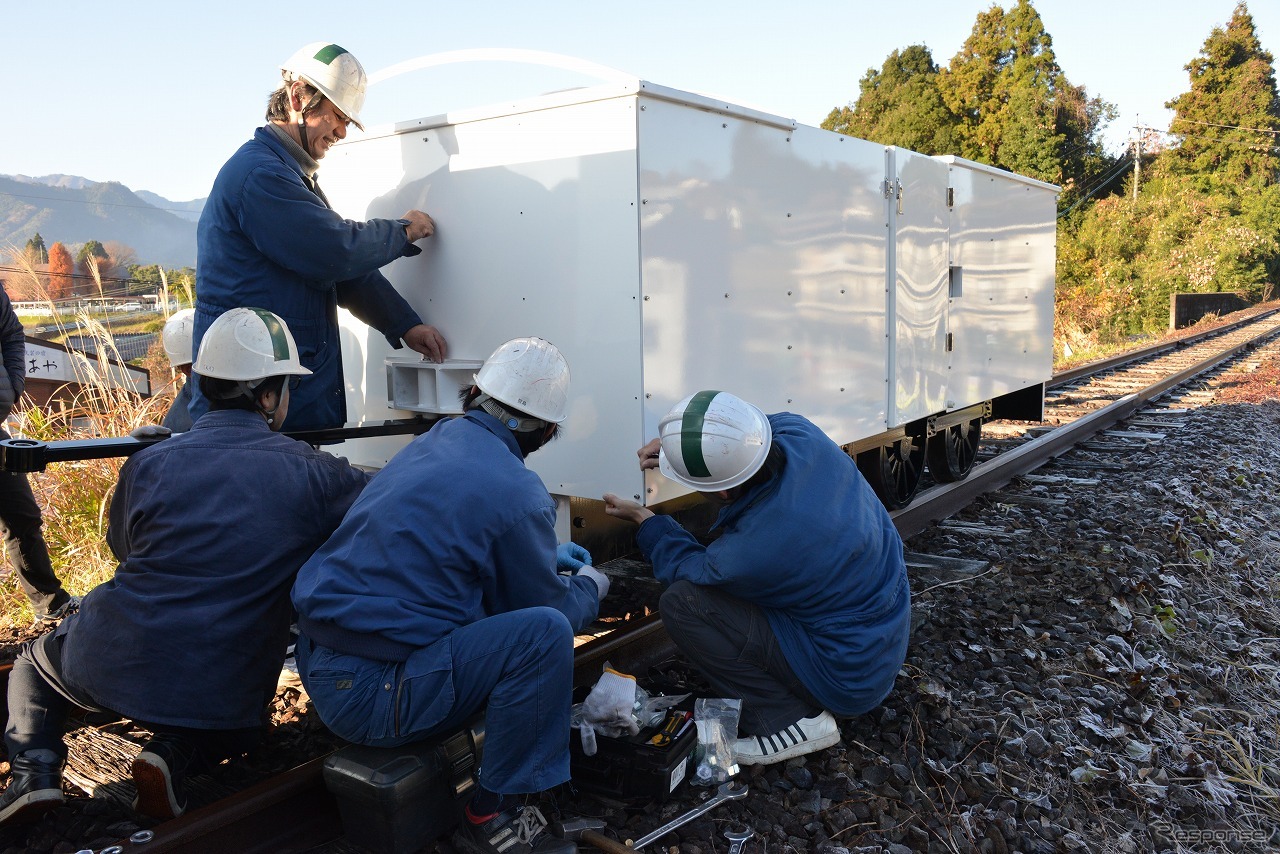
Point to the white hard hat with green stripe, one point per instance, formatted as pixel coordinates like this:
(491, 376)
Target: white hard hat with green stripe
(335, 72)
(248, 345)
(713, 440)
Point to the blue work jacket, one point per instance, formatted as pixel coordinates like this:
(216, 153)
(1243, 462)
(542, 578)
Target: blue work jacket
(816, 550)
(455, 528)
(267, 240)
(178, 418)
(210, 527)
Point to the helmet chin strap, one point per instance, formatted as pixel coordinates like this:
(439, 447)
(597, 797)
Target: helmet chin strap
(302, 121)
(246, 389)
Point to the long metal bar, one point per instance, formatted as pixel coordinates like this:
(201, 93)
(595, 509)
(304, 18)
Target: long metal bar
(30, 455)
(264, 817)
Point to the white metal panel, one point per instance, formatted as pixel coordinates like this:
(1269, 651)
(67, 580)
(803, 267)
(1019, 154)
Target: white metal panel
(536, 216)
(1003, 239)
(763, 255)
(919, 327)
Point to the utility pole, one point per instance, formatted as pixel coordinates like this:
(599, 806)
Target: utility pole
(1137, 156)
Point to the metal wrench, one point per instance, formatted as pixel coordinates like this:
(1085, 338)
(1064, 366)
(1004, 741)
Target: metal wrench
(729, 791)
(737, 838)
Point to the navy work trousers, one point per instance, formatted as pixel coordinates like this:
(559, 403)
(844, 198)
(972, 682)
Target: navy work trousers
(23, 533)
(730, 641)
(517, 666)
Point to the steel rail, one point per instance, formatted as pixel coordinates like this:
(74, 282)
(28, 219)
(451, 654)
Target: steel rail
(266, 818)
(1141, 353)
(944, 501)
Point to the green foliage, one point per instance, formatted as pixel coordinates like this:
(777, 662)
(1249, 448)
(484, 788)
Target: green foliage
(36, 251)
(1003, 101)
(92, 249)
(1017, 109)
(900, 105)
(1229, 120)
(1120, 260)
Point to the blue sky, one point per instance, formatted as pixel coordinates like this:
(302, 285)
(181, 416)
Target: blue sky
(157, 95)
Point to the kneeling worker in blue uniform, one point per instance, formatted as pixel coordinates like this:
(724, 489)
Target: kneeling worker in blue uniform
(443, 593)
(187, 639)
(800, 608)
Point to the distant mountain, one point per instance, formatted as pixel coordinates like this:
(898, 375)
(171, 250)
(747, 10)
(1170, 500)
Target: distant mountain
(187, 210)
(74, 210)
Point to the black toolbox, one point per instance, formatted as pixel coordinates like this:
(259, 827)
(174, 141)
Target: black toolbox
(645, 765)
(397, 800)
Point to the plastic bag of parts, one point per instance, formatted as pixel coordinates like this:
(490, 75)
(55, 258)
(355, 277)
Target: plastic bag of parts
(717, 723)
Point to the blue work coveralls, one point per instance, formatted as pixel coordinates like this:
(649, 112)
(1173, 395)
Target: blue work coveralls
(815, 549)
(210, 527)
(267, 239)
(439, 594)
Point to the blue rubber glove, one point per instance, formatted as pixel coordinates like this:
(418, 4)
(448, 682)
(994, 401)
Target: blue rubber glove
(570, 557)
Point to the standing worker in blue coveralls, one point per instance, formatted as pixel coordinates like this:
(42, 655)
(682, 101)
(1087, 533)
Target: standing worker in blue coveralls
(187, 638)
(20, 520)
(440, 595)
(800, 607)
(267, 237)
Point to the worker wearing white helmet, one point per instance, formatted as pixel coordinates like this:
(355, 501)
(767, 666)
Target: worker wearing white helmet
(466, 608)
(800, 607)
(188, 636)
(268, 237)
(177, 341)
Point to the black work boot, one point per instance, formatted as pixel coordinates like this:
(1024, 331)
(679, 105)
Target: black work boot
(35, 787)
(160, 773)
(519, 830)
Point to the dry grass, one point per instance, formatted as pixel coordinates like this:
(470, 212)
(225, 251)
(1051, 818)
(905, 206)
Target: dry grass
(74, 496)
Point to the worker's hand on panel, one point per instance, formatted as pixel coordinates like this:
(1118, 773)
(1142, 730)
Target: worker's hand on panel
(428, 341)
(628, 511)
(649, 455)
(420, 225)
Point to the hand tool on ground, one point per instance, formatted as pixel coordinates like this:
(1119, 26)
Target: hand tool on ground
(588, 830)
(727, 792)
(737, 838)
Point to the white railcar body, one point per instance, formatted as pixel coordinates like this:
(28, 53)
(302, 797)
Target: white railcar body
(667, 242)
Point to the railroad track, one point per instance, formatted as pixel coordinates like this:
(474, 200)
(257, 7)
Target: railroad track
(1083, 404)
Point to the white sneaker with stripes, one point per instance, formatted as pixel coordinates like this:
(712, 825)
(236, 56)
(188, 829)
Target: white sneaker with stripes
(804, 736)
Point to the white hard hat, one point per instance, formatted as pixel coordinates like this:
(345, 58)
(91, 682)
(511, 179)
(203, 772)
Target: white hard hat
(248, 344)
(530, 375)
(713, 440)
(177, 337)
(335, 72)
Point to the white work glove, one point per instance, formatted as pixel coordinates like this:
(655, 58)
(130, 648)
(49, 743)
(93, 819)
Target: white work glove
(601, 580)
(570, 557)
(150, 431)
(610, 707)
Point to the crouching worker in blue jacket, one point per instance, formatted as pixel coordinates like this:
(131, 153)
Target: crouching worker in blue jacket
(187, 639)
(443, 593)
(800, 608)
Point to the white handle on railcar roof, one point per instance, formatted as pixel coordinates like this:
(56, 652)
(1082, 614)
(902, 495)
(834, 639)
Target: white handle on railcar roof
(501, 54)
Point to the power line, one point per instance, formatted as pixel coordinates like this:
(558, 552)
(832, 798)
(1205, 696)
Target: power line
(113, 279)
(1215, 125)
(1121, 166)
(140, 207)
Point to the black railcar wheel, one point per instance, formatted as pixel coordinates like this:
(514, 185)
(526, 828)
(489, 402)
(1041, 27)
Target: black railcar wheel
(894, 470)
(952, 451)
